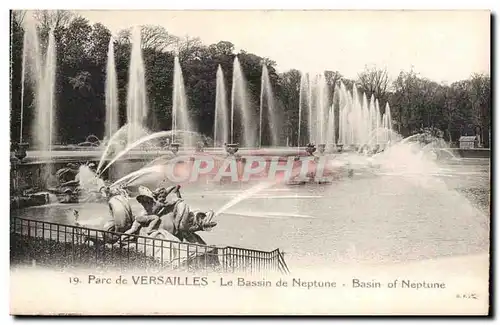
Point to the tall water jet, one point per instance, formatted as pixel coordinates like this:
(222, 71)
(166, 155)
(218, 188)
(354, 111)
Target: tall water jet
(356, 117)
(322, 110)
(342, 114)
(303, 102)
(367, 115)
(180, 114)
(42, 74)
(373, 117)
(362, 122)
(388, 120)
(50, 84)
(111, 121)
(318, 109)
(221, 118)
(310, 113)
(23, 73)
(40, 71)
(31, 76)
(239, 102)
(137, 106)
(266, 96)
(378, 117)
(330, 130)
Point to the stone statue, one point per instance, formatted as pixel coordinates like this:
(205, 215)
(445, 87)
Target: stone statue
(160, 213)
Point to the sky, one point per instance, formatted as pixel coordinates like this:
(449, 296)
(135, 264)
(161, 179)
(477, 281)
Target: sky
(444, 46)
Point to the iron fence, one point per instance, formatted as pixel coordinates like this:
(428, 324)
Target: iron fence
(59, 245)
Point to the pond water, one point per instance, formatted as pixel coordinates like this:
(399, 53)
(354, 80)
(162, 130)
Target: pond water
(374, 217)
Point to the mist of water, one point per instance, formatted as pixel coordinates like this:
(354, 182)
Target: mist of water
(221, 118)
(88, 180)
(137, 105)
(267, 97)
(111, 122)
(239, 102)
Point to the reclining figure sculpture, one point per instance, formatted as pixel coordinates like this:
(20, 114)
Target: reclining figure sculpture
(173, 216)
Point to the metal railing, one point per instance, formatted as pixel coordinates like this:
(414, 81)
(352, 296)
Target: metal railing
(59, 245)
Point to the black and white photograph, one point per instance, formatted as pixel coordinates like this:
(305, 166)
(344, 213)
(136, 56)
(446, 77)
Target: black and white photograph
(266, 162)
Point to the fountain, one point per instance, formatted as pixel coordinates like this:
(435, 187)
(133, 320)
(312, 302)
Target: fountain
(387, 123)
(303, 101)
(266, 95)
(21, 147)
(137, 104)
(111, 122)
(330, 130)
(360, 120)
(239, 103)
(273, 210)
(180, 114)
(221, 118)
(41, 72)
(317, 105)
(349, 114)
(313, 95)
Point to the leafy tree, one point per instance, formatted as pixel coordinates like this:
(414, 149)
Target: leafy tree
(374, 81)
(417, 104)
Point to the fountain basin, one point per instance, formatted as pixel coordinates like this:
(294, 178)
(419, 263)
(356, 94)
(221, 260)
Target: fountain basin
(36, 172)
(340, 217)
(31, 172)
(29, 200)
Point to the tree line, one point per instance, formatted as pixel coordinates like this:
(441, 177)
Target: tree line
(417, 103)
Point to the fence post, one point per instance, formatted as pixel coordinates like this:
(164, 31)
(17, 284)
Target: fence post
(72, 244)
(96, 246)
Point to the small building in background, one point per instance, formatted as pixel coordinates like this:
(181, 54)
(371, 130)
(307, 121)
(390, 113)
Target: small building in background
(468, 142)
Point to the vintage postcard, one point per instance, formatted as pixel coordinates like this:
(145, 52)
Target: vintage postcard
(250, 162)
